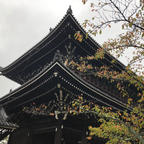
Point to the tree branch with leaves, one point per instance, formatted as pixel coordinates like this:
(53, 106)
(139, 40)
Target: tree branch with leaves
(116, 127)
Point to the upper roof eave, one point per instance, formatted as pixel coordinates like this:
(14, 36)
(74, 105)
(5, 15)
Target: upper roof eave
(13, 65)
(21, 58)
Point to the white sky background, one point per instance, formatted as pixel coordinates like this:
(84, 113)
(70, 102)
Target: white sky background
(23, 23)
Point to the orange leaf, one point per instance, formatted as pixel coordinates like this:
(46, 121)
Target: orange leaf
(89, 138)
(84, 1)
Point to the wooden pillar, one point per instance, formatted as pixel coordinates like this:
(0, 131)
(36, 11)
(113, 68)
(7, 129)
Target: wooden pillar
(58, 135)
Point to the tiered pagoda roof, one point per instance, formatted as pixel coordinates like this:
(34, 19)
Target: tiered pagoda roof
(60, 38)
(44, 76)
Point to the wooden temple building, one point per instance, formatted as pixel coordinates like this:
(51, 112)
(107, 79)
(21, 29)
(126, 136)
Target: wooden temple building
(38, 111)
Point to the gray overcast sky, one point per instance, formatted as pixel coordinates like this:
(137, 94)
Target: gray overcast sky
(23, 23)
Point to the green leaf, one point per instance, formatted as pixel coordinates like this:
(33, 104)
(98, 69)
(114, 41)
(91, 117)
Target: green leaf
(100, 32)
(86, 35)
(130, 24)
(113, 61)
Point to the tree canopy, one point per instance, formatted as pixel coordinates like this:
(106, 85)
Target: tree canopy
(117, 127)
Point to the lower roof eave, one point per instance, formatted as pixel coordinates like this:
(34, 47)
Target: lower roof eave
(73, 76)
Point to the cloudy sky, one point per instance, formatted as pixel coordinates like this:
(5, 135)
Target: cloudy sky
(23, 23)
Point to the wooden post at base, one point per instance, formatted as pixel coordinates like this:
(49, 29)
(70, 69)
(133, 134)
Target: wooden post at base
(58, 135)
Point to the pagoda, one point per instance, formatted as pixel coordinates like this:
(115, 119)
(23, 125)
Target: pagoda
(38, 112)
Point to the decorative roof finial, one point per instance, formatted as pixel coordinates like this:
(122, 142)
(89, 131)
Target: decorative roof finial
(69, 9)
(50, 29)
